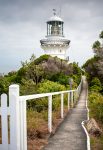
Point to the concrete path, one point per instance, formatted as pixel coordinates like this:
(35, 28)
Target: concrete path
(70, 135)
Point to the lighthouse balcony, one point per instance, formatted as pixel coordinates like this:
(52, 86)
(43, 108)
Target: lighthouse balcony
(55, 42)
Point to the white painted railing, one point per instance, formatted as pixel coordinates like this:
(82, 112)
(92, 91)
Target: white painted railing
(17, 113)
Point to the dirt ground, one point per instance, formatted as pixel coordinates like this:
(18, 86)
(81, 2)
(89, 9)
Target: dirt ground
(97, 142)
(38, 137)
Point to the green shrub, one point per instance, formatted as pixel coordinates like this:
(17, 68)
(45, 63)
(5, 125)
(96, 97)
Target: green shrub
(4, 85)
(76, 79)
(96, 106)
(95, 88)
(60, 77)
(27, 87)
(46, 87)
(41, 59)
(95, 85)
(49, 86)
(95, 81)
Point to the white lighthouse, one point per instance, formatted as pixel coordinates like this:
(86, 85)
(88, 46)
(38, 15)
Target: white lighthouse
(55, 43)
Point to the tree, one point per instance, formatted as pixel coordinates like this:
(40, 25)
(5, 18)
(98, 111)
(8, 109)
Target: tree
(93, 67)
(27, 87)
(101, 35)
(33, 57)
(4, 84)
(35, 72)
(98, 47)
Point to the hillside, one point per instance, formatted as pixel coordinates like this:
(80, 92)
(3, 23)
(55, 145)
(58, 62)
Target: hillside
(44, 74)
(38, 71)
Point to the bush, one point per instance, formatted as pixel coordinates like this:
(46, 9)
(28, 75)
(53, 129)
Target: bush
(96, 106)
(49, 86)
(95, 85)
(27, 87)
(76, 79)
(41, 59)
(4, 85)
(60, 77)
(95, 81)
(46, 87)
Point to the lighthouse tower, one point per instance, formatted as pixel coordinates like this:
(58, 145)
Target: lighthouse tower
(55, 43)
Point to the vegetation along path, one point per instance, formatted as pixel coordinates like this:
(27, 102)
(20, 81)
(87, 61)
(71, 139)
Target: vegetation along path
(71, 135)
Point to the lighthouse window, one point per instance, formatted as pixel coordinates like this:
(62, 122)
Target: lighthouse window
(60, 51)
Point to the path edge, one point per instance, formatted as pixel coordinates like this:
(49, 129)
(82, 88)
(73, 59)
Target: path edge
(83, 123)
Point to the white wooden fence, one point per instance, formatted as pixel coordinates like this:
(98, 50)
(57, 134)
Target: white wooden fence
(17, 113)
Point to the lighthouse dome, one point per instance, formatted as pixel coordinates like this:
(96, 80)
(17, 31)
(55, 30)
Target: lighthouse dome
(55, 18)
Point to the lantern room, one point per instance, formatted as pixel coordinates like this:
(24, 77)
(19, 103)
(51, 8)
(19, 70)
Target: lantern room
(55, 26)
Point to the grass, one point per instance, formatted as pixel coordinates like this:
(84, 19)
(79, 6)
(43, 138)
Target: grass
(96, 112)
(96, 143)
(37, 127)
(37, 124)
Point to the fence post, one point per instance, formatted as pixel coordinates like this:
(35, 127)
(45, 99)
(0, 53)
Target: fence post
(50, 113)
(62, 102)
(14, 117)
(23, 126)
(68, 100)
(71, 98)
(4, 121)
(75, 97)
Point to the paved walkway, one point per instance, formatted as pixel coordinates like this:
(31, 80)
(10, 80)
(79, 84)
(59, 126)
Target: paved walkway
(70, 135)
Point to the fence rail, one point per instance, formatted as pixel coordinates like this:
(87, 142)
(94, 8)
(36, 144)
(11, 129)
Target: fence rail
(17, 112)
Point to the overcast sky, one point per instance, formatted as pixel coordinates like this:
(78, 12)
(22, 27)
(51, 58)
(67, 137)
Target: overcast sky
(23, 24)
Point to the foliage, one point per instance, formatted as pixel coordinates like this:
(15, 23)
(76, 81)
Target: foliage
(27, 87)
(95, 85)
(42, 75)
(98, 47)
(4, 85)
(93, 67)
(96, 106)
(90, 61)
(41, 59)
(35, 72)
(76, 73)
(55, 65)
(59, 77)
(21, 73)
(46, 87)
(76, 79)
(96, 81)
(76, 69)
(46, 67)
(101, 35)
(49, 86)
(95, 88)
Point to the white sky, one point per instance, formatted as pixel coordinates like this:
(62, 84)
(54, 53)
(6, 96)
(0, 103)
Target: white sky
(23, 24)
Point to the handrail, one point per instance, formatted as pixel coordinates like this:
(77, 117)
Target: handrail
(34, 96)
